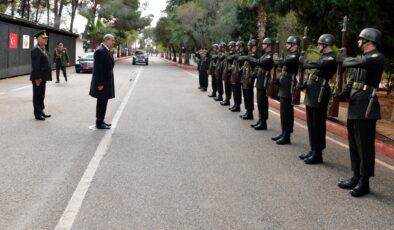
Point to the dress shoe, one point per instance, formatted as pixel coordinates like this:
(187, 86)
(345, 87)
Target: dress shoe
(102, 126)
(306, 155)
(45, 115)
(244, 115)
(316, 158)
(212, 95)
(362, 187)
(277, 137)
(257, 123)
(40, 118)
(284, 140)
(199, 87)
(249, 116)
(225, 102)
(232, 107)
(261, 126)
(57, 81)
(349, 183)
(107, 124)
(203, 89)
(218, 99)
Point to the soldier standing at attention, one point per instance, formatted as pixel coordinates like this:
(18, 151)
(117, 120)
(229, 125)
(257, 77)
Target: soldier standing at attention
(227, 64)
(212, 66)
(363, 111)
(203, 67)
(264, 66)
(41, 72)
(286, 82)
(218, 71)
(248, 79)
(317, 96)
(236, 77)
(61, 60)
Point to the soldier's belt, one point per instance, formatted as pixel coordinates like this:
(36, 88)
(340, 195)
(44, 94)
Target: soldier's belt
(361, 86)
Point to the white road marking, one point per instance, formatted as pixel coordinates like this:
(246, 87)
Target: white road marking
(20, 88)
(74, 205)
(337, 142)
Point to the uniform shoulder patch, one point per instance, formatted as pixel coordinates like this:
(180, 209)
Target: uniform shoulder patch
(374, 55)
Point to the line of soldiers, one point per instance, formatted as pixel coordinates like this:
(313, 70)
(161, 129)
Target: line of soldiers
(236, 70)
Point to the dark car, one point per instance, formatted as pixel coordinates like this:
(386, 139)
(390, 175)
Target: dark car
(84, 63)
(140, 57)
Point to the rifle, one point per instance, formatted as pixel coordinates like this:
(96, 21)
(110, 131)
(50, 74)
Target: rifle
(334, 108)
(235, 73)
(271, 89)
(301, 73)
(225, 68)
(247, 72)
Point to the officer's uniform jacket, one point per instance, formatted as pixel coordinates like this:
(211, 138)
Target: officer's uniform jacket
(60, 57)
(365, 77)
(213, 62)
(264, 66)
(203, 63)
(40, 64)
(325, 68)
(290, 68)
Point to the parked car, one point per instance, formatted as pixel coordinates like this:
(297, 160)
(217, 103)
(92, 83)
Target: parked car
(84, 63)
(140, 57)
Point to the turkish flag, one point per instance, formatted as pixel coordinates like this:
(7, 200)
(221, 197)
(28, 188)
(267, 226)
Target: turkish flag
(13, 41)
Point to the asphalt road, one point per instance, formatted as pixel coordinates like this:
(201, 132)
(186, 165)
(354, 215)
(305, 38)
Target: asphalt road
(174, 160)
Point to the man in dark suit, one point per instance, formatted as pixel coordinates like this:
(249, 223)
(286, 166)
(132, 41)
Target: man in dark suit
(41, 73)
(102, 85)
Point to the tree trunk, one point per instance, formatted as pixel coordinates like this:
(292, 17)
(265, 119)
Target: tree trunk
(187, 57)
(180, 56)
(174, 52)
(261, 22)
(74, 7)
(38, 10)
(48, 8)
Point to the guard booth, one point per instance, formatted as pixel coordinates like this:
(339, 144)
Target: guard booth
(17, 39)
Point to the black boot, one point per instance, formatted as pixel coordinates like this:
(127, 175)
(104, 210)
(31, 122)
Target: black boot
(236, 108)
(232, 107)
(306, 155)
(349, 183)
(316, 158)
(362, 187)
(225, 102)
(249, 116)
(218, 98)
(257, 123)
(277, 137)
(212, 94)
(244, 115)
(284, 140)
(261, 126)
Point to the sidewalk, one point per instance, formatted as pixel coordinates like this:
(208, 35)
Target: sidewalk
(383, 142)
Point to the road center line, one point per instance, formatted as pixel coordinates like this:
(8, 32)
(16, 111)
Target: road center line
(20, 88)
(74, 205)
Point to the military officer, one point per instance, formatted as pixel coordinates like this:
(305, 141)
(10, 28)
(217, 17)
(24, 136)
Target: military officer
(61, 60)
(41, 72)
(203, 67)
(212, 66)
(264, 66)
(248, 78)
(218, 71)
(363, 111)
(317, 96)
(227, 68)
(236, 76)
(286, 82)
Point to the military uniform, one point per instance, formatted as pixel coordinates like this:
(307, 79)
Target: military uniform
(218, 72)
(236, 78)
(61, 60)
(317, 96)
(227, 69)
(264, 66)
(287, 82)
(203, 67)
(363, 112)
(213, 56)
(41, 70)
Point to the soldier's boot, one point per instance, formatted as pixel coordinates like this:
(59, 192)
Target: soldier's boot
(257, 123)
(218, 98)
(236, 108)
(225, 102)
(362, 187)
(349, 183)
(316, 158)
(248, 116)
(284, 140)
(306, 155)
(244, 115)
(262, 125)
(213, 94)
(232, 107)
(277, 137)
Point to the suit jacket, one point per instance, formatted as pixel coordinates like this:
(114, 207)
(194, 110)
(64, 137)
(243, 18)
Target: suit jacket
(103, 74)
(40, 65)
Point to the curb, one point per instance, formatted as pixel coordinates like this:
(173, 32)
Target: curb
(332, 127)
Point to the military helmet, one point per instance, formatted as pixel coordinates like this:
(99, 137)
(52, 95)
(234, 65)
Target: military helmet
(293, 40)
(240, 43)
(267, 41)
(222, 45)
(326, 39)
(215, 46)
(252, 42)
(231, 44)
(371, 34)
